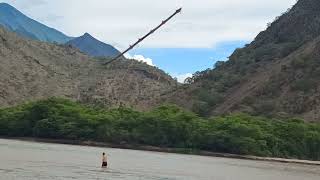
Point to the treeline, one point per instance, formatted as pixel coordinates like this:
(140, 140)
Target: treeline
(165, 126)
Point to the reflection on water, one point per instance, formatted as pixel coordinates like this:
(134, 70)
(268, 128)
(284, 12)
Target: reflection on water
(26, 160)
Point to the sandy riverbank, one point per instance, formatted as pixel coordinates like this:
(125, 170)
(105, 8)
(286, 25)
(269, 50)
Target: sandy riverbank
(166, 150)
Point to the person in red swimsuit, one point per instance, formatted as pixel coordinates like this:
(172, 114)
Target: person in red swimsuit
(104, 160)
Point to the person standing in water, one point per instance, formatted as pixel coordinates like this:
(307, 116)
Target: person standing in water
(104, 160)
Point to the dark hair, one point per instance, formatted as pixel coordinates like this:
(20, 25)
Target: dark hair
(103, 153)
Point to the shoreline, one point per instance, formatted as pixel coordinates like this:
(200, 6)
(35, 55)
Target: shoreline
(164, 150)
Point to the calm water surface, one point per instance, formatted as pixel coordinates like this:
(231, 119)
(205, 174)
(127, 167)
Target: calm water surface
(27, 160)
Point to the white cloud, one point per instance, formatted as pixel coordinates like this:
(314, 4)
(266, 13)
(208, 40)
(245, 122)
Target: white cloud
(203, 23)
(182, 77)
(140, 58)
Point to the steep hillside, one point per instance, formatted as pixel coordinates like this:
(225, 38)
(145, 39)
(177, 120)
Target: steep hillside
(93, 47)
(31, 70)
(276, 75)
(15, 21)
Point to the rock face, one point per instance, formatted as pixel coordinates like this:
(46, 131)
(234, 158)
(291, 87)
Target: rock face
(32, 70)
(275, 75)
(93, 47)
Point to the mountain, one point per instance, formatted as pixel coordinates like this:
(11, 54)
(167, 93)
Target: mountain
(276, 75)
(32, 70)
(93, 47)
(15, 21)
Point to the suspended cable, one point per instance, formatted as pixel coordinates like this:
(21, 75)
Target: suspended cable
(144, 37)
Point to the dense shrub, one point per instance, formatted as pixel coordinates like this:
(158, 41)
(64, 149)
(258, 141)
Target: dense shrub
(165, 126)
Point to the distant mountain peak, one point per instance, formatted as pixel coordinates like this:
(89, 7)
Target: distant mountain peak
(14, 20)
(93, 47)
(87, 34)
(7, 9)
(6, 5)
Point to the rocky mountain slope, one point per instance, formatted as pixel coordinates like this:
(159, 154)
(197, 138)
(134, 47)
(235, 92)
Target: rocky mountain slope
(276, 75)
(31, 70)
(93, 47)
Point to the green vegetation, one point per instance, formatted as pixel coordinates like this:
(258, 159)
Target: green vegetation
(165, 126)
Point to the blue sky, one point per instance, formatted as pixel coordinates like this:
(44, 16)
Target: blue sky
(206, 30)
(181, 62)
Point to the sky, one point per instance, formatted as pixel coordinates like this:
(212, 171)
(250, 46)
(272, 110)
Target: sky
(206, 31)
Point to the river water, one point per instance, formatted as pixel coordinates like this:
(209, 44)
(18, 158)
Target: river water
(28, 160)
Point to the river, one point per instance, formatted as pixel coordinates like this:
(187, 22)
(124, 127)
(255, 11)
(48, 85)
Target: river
(29, 160)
